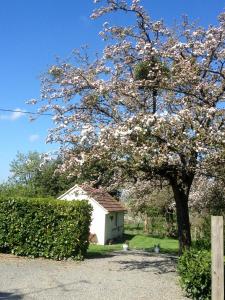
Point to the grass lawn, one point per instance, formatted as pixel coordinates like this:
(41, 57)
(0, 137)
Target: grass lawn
(136, 241)
(145, 242)
(100, 250)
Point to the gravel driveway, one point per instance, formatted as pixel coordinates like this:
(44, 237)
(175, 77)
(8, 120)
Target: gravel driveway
(121, 275)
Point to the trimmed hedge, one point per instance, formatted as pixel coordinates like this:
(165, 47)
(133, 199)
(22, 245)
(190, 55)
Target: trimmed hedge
(44, 227)
(194, 267)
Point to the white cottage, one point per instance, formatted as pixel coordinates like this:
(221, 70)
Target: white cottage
(107, 215)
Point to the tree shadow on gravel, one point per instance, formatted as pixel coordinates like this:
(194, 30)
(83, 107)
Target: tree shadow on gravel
(158, 266)
(62, 287)
(11, 296)
(92, 255)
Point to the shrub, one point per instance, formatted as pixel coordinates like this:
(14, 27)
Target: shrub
(44, 227)
(203, 241)
(194, 267)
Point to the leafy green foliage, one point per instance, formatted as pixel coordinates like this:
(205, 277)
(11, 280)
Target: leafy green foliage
(10, 189)
(154, 204)
(216, 200)
(194, 267)
(48, 182)
(44, 227)
(142, 70)
(203, 242)
(161, 223)
(150, 69)
(24, 167)
(31, 176)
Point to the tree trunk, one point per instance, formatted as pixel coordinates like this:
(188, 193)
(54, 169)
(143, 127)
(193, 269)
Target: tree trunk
(184, 231)
(146, 225)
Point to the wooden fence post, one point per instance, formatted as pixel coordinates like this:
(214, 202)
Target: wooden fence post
(217, 258)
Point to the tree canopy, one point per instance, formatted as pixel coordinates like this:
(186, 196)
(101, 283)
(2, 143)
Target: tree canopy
(148, 106)
(33, 174)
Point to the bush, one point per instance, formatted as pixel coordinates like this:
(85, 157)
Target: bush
(203, 240)
(44, 227)
(194, 267)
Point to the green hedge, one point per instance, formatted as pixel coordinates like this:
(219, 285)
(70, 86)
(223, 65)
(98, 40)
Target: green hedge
(194, 267)
(44, 228)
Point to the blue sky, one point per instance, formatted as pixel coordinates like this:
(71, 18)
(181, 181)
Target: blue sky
(34, 33)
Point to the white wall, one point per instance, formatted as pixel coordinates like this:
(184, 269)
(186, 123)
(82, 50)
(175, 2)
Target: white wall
(98, 214)
(98, 223)
(114, 225)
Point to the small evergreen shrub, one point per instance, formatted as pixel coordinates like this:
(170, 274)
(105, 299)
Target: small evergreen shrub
(44, 227)
(194, 268)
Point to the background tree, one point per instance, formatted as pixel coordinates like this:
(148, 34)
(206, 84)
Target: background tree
(106, 113)
(35, 176)
(25, 167)
(207, 196)
(152, 201)
(49, 182)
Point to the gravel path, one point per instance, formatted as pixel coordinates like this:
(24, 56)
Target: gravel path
(122, 275)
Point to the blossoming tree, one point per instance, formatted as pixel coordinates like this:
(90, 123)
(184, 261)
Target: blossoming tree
(148, 107)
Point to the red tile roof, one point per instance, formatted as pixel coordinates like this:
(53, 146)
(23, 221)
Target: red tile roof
(103, 198)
